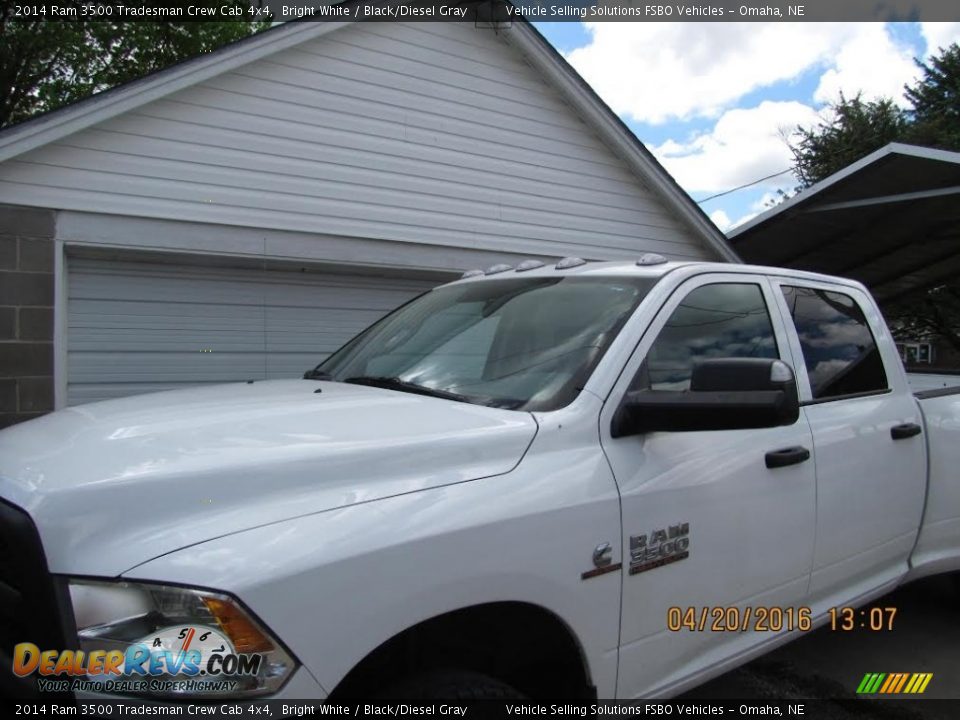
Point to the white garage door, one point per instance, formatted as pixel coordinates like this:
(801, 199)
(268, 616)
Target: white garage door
(141, 327)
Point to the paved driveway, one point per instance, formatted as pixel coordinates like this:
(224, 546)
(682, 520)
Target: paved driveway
(829, 665)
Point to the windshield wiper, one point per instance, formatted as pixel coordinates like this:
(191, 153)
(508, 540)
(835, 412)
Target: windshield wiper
(317, 375)
(395, 383)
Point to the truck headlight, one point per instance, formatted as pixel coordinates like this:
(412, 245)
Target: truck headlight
(174, 641)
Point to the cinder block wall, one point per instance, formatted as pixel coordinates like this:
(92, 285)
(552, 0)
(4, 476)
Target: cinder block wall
(26, 313)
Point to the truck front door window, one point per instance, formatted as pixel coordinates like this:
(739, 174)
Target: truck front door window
(714, 321)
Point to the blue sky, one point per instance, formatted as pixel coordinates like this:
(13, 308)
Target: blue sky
(716, 102)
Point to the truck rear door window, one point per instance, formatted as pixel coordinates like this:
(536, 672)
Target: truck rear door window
(839, 350)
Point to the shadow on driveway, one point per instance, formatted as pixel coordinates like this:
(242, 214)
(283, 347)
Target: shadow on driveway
(828, 665)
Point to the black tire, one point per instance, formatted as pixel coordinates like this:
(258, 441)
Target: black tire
(450, 685)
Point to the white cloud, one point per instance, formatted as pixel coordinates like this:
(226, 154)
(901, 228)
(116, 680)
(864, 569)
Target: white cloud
(721, 220)
(939, 35)
(656, 72)
(870, 63)
(744, 145)
(659, 73)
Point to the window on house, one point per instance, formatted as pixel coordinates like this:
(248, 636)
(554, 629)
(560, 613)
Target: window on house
(915, 353)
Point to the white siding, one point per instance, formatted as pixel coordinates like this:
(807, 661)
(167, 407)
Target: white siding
(421, 133)
(141, 327)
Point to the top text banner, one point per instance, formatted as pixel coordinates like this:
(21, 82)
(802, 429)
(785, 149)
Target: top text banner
(493, 13)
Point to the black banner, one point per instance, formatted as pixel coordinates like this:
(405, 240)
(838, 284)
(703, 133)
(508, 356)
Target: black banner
(917, 709)
(499, 12)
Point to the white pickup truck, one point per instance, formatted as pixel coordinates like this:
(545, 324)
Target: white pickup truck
(565, 480)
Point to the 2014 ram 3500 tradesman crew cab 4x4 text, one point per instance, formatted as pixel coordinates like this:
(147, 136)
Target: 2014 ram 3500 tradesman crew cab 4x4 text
(517, 483)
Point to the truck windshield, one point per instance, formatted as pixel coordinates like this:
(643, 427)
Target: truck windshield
(517, 343)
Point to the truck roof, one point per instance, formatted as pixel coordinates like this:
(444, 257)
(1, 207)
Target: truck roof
(648, 265)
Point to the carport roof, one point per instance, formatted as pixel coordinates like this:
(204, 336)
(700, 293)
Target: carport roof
(890, 220)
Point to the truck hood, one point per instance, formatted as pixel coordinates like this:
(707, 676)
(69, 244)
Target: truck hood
(114, 484)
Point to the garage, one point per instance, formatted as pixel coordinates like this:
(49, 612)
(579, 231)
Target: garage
(136, 327)
(243, 213)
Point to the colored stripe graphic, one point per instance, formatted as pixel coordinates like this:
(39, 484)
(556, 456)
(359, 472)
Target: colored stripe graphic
(894, 683)
(903, 681)
(912, 683)
(886, 685)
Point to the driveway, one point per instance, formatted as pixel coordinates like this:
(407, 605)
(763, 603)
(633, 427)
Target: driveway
(829, 664)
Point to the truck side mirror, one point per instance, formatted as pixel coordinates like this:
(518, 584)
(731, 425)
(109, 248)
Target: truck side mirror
(724, 394)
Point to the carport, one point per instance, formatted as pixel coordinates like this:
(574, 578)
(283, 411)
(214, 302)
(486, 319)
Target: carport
(890, 220)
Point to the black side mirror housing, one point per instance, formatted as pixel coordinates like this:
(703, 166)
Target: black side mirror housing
(725, 394)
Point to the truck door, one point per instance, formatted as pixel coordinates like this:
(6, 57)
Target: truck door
(870, 455)
(747, 528)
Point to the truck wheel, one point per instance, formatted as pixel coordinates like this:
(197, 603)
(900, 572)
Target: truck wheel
(450, 685)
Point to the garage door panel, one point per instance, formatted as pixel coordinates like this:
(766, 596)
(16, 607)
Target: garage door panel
(307, 331)
(184, 348)
(171, 291)
(167, 366)
(247, 287)
(300, 318)
(322, 299)
(285, 365)
(189, 334)
(101, 312)
(188, 340)
(142, 327)
(313, 349)
(94, 392)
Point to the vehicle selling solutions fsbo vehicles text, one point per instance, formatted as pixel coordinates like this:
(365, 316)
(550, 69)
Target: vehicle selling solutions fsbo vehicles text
(654, 11)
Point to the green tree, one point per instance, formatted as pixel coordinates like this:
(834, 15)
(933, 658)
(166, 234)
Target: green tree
(855, 129)
(935, 120)
(47, 64)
